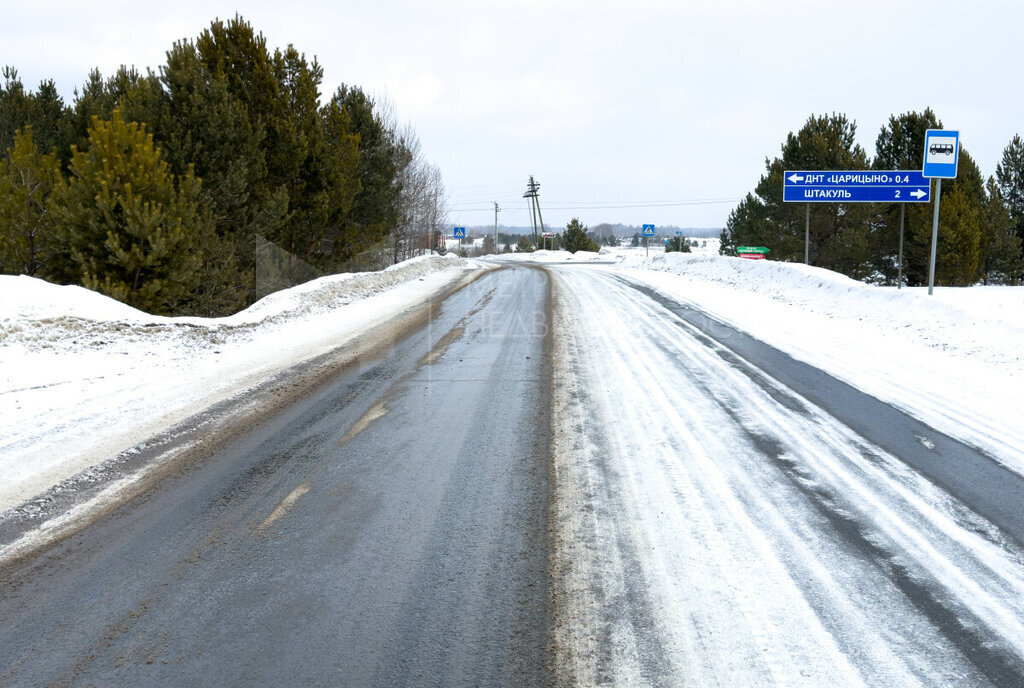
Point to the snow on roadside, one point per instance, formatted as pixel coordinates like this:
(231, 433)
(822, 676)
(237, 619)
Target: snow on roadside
(83, 377)
(546, 257)
(954, 360)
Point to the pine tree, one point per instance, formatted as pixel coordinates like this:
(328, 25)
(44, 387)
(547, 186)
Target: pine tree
(677, 244)
(128, 229)
(575, 238)
(1001, 261)
(524, 245)
(27, 179)
(15, 107)
(43, 110)
(338, 162)
(1010, 178)
(837, 231)
(376, 209)
(959, 250)
(900, 146)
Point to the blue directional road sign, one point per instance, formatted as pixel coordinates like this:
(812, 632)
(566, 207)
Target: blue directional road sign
(883, 186)
(648, 230)
(460, 233)
(941, 153)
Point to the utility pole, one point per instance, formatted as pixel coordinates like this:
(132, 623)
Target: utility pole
(496, 211)
(532, 189)
(533, 215)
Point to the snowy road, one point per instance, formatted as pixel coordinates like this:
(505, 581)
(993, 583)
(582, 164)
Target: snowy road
(715, 527)
(587, 484)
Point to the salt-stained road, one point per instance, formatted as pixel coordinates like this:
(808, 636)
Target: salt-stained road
(715, 526)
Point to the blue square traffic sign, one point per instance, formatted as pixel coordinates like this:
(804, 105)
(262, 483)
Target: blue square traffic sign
(648, 230)
(460, 233)
(941, 153)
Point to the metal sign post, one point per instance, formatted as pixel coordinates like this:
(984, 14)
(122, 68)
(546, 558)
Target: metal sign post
(935, 237)
(648, 233)
(899, 276)
(941, 156)
(807, 237)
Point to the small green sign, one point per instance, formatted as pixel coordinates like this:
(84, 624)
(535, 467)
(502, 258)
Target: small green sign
(752, 249)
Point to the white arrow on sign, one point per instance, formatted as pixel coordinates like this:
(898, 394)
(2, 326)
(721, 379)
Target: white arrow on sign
(795, 178)
(918, 193)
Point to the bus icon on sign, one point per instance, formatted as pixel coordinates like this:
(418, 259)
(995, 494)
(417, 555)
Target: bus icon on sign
(941, 149)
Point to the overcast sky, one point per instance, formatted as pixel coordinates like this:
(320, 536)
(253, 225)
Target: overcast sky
(662, 106)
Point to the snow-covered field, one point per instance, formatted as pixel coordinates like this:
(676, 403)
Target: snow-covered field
(84, 378)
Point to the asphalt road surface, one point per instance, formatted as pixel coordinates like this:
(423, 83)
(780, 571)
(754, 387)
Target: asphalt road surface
(388, 530)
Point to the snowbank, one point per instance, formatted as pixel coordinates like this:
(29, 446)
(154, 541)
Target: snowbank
(543, 256)
(954, 359)
(83, 377)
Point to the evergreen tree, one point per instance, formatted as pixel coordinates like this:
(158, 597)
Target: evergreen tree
(376, 208)
(488, 247)
(1001, 261)
(298, 163)
(43, 110)
(15, 107)
(238, 61)
(677, 244)
(575, 238)
(127, 229)
(27, 179)
(524, 245)
(338, 162)
(959, 250)
(747, 223)
(1010, 180)
(900, 146)
(201, 125)
(838, 232)
(94, 100)
(959, 256)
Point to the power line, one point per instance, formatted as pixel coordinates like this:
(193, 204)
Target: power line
(599, 205)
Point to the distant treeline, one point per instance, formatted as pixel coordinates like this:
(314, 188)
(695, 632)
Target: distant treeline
(201, 187)
(981, 227)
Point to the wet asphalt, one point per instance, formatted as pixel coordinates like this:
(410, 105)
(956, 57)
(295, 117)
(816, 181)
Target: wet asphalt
(388, 530)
